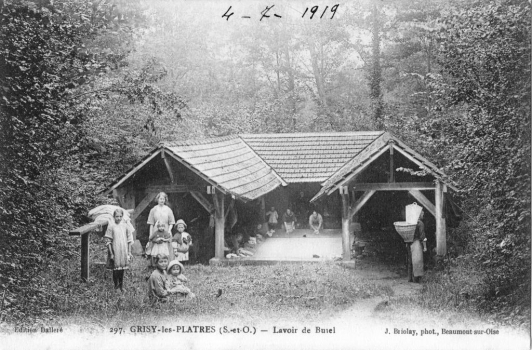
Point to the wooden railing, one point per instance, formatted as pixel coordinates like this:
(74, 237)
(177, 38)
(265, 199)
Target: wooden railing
(84, 231)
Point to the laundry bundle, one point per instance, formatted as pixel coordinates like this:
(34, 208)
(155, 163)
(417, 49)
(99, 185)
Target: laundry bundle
(103, 215)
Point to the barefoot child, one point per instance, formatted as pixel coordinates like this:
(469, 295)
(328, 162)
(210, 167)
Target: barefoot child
(119, 239)
(175, 280)
(157, 280)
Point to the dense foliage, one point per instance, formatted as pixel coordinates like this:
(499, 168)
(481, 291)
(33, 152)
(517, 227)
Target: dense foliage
(45, 58)
(485, 93)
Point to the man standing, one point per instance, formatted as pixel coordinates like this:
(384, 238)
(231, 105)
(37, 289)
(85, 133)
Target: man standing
(272, 221)
(289, 221)
(315, 222)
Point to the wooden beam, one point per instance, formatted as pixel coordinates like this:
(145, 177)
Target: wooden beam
(441, 239)
(419, 161)
(360, 202)
(358, 170)
(352, 200)
(229, 208)
(93, 226)
(118, 195)
(391, 177)
(219, 224)
(198, 196)
(85, 257)
(168, 168)
(424, 201)
(133, 171)
(403, 148)
(346, 223)
(174, 188)
(143, 205)
(194, 170)
(394, 186)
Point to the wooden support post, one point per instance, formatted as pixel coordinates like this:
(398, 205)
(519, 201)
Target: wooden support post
(346, 223)
(262, 210)
(85, 256)
(219, 225)
(441, 243)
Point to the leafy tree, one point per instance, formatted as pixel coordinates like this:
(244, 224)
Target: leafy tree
(484, 101)
(48, 52)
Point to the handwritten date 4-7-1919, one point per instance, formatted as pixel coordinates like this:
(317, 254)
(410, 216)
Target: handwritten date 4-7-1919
(315, 9)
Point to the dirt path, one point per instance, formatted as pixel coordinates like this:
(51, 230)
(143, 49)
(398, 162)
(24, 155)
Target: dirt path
(383, 322)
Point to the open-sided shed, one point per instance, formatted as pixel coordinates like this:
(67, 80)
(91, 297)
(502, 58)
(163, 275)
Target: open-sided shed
(210, 170)
(216, 172)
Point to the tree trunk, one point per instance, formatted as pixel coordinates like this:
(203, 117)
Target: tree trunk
(278, 71)
(318, 75)
(377, 104)
(291, 88)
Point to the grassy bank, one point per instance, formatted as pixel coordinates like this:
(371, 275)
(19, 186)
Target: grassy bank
(254, 293)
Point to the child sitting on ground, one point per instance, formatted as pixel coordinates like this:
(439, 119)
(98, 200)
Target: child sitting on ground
(157, 280)
(175, 280)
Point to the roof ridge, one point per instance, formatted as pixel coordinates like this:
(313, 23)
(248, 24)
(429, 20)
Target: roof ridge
(339, 170)
(306, 134)
(200, 141)
(283, 182)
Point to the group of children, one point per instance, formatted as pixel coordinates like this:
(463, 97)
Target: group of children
(164, 251)
(167, 279)
(161, 242)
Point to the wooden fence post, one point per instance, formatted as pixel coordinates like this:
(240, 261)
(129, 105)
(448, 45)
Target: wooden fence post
(85, 256)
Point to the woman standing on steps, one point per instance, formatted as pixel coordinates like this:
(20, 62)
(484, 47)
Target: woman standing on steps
(163, 214)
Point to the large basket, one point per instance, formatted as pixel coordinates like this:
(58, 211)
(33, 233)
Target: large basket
(406, 230)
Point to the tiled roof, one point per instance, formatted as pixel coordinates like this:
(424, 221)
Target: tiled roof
(229, 163)
(251, 165)
(360, 160)
(309, 157)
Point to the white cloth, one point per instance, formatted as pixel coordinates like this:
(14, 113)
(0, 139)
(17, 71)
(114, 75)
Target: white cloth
(104, 214)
